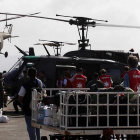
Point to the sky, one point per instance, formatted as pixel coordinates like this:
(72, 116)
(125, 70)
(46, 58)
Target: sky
(30, 30)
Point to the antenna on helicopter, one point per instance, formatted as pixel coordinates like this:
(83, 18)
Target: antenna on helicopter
(44, 47)
(21, 51)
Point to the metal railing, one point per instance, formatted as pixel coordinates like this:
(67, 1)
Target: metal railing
(98, 110)
(87, 111)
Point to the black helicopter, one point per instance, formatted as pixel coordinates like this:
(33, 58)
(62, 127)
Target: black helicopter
(53, 65)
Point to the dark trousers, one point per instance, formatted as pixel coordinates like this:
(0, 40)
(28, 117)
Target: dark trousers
(1, 100)
(16, 104)
(34, 133)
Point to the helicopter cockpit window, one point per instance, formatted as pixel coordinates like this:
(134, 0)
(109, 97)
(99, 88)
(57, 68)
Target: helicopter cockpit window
(17, 65)
(11, 74)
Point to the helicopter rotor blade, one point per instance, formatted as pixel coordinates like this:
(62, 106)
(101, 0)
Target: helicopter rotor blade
(14, 36)
(24, 15)
(48, 44)
(51, 44)
(55, 42)
(119, 26)
(58, 42)
(47, 40)
(86, 18)
(70, 43)
(38, 44)
(17, 17)
(64, 16)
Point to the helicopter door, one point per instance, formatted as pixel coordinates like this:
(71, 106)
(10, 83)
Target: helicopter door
(49, 70)
(90, 69)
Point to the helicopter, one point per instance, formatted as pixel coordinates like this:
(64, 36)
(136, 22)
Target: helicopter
(57, 45)
(90, 60)
(5, 35)
(8, 34)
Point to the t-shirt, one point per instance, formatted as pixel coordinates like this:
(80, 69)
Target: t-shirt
(22, 91)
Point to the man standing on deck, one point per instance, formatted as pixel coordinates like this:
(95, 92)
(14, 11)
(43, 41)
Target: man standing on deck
(25, 96)
(132, 80)
(132, 77)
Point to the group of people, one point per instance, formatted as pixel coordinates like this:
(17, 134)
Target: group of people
(130, 78)
(76, 81)
(79, 80)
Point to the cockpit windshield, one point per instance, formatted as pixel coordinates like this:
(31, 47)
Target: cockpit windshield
(17, 65)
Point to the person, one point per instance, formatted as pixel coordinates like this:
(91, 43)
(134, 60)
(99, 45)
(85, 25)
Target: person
(95, 83)
(1, 92)
(60, 80)
(132, 77)
(67, 82)
(78, 80)
(21, 81)
(105, 78)
(126, 68)
(25, 96)
(95, 80)
(42, 77)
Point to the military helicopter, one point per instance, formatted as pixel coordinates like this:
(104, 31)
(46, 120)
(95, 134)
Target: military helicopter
(90, 60)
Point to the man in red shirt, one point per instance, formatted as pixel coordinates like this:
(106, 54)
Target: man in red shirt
(79, 80)
(106, 79)
(132, 77)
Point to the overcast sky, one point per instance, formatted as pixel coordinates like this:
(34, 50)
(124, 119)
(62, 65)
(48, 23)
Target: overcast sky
(29, 30)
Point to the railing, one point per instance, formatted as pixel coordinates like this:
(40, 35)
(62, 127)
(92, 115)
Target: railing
(87, 111)
(99, 110)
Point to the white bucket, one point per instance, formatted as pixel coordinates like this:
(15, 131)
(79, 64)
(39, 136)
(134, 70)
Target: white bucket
(0, 112)
(47, 111)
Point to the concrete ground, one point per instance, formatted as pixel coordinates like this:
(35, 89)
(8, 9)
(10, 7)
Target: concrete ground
(15, 129)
